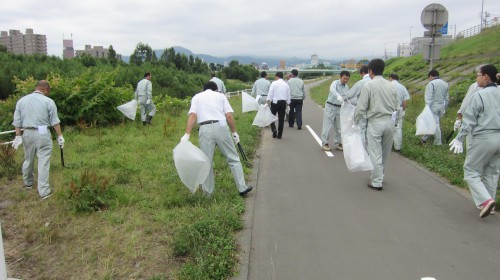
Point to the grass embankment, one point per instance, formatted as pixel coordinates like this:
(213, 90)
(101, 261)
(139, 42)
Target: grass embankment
(153, 228)
(457, 67)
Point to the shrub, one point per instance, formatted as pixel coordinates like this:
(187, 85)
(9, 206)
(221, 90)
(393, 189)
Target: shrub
(90, 193)
(8, 165)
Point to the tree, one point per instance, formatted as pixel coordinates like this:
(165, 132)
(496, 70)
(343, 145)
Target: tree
(3, 49)
(112, 55)
(142, 53)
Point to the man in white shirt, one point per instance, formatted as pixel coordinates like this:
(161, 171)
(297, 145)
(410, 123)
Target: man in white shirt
(261, 87)
(214, 113)
(278, 98)
(403, 97)
(220, 84)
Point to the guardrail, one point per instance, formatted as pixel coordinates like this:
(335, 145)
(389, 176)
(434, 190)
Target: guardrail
(237, 93)
(476, 29)
(6, 143)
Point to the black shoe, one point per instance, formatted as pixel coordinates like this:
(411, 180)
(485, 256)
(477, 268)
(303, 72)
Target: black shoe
(144, 123)
(290, 125)
(275, 134)
(373, 187)
(299, 128)
(243, 193)
(47, 196)
(28, 187)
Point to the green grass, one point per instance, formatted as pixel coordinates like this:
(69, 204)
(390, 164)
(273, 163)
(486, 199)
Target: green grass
(153, 227)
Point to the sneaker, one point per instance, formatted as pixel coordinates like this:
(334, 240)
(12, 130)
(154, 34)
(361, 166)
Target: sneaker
(243, 193)
(486, 208)
(299, 128)
(326, 147)
(28, 187)
(275, 134)
(339, 147)
(47, 196)
(492, 212)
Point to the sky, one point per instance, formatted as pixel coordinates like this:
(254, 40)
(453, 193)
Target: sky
(332, 29)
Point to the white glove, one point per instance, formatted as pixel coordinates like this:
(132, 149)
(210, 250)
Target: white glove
(17, 141)
(339, 98)
(60, 141)
(148, 101)
(456, 146)
(457, 124)
(236, 138)
(185, 137)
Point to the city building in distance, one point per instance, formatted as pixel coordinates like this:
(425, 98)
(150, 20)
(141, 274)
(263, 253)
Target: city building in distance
(19, 43)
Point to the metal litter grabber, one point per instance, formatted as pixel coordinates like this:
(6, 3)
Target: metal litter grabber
(243, 155)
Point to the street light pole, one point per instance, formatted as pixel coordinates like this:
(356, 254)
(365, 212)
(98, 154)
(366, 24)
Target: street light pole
(410, 33)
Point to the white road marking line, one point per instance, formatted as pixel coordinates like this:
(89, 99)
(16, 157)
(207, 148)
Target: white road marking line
(318, 140)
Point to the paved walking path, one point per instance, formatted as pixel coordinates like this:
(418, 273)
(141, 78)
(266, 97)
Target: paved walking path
(310, 218)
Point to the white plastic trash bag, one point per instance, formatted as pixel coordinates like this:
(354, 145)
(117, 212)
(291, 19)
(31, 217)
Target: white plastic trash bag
(264, 116)
(129, 109)
(355, 155)
(249, 103)
(426, 124)
(192, 165)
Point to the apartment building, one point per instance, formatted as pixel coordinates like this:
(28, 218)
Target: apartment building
(28, 43)
(95, 51)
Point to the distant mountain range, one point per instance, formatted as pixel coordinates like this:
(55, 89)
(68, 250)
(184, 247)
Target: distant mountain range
(271, 61)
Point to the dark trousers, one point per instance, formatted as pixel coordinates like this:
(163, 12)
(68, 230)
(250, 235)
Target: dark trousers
(279, 108)
(295, 114)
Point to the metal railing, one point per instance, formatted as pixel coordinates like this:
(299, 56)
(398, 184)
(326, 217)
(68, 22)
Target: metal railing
(476, 29)
(230, 94)
(7, 132)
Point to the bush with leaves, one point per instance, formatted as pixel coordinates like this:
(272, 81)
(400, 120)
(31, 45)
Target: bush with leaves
(90, 193)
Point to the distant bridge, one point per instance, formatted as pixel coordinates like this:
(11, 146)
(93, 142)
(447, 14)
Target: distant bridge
(310, 71)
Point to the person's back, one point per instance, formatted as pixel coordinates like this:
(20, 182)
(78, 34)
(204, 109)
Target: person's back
(382, 97)
(36, 110)
(296, 88)
(436, 92)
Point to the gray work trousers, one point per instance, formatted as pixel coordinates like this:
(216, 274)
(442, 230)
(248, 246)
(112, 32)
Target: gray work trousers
(481, 167)
(331, 119)
(146, 109)
(41, 146)
(215, 134)
(380, 136)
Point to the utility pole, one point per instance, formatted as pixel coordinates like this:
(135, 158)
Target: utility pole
(482, 7)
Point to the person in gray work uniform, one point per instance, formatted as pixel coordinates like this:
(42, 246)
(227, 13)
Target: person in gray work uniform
(437, 97)
(34, 113)
(481, 119)
(297, 96)
(220, 84)
(331, 115)
(353, 97)
(403, 96)
(379, 102)
(144, 96)
(214, 113)
(261, 87)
